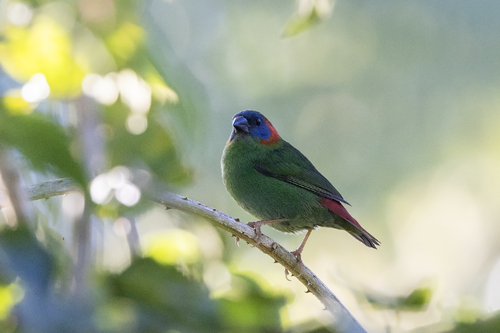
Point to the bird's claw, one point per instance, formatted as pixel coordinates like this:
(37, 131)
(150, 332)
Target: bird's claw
(256, 226)
(297, 255)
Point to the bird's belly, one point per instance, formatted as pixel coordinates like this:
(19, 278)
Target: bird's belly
(270, 199)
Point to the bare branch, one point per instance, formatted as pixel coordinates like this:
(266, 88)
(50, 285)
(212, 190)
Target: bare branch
(92, 148)
(344, 320)
(51, 188)
(15, 194)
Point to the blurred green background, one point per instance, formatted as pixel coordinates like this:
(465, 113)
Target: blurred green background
(397, 103)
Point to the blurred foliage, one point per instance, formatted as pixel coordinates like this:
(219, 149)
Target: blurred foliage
(66, 41)
(55, 52)
(45, 46)
(146, 297)
(301, 23)
(488, 325)
(42, 142)
(24, 257)
(164, 299)
(250, 308)
(309, 14)
(154, 146)
(417, 300)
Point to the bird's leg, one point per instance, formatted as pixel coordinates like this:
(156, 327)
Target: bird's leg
(298, 251)
(256, 226)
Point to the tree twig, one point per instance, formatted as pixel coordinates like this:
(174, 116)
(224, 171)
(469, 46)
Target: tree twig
(92, 149)
(15, 194)
(345, 321)
(51, 188)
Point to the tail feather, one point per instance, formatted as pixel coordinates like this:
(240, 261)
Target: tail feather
(366, 239)
(354, 228)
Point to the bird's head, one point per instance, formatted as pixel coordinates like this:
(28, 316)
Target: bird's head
(252, 124)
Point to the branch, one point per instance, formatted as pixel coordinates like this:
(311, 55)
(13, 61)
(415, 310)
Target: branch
(51, 188)
(344, 320)
(15, 195)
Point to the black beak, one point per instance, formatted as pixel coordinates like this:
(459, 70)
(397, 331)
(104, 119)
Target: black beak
(240, 124)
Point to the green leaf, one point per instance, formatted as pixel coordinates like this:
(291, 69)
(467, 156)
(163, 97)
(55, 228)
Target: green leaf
(253, 309)
(301, 23)
(165, 298)
(417, 300)
(488, 325)
(24, 257)
(42, 142)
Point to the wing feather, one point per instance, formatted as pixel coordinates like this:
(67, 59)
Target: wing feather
(289, 165)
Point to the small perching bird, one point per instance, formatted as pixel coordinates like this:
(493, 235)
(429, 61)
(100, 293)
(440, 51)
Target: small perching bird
(275, 182)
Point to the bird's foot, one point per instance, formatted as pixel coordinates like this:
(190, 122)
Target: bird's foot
(256, 226)
(297, 255)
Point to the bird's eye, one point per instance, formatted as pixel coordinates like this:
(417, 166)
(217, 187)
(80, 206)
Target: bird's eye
(258, 122)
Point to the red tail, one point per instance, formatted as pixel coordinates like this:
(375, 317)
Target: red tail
(362, 235)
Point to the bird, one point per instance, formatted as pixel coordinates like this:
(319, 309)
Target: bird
(275, 182)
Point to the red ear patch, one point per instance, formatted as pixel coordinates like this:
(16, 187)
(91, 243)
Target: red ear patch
(273, 138)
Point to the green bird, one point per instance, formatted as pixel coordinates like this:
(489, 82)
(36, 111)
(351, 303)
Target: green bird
(275, 182)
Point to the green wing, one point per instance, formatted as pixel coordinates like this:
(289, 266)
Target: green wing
(291, 166)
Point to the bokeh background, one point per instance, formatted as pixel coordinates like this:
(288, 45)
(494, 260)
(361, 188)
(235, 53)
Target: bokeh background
(397, 103)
